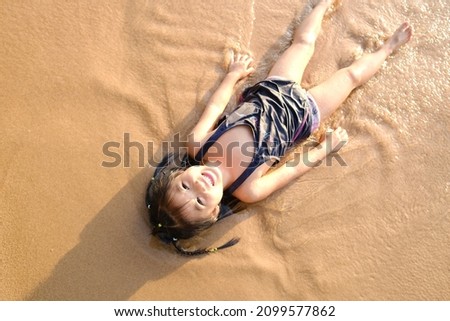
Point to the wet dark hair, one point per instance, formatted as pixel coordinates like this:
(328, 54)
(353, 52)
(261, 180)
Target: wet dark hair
(167, 225)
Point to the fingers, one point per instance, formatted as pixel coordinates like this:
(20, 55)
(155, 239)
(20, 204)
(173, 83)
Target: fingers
(248, 61)
(251, 70)
(339, 139)
(242, 63)
(339, 130)
(238, 57)
(335, 139)
(243, 58)
(341, 134)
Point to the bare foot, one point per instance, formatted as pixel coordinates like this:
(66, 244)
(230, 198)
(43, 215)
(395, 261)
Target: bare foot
(401, 36)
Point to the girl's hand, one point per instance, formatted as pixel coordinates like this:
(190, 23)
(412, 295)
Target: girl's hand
(240, 65)
(334, 140)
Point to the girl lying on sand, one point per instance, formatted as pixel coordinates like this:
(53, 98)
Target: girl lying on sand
(230, 162)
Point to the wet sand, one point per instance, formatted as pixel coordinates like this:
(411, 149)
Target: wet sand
(77, 75)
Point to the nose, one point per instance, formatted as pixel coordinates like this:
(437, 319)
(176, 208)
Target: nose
(201, 185)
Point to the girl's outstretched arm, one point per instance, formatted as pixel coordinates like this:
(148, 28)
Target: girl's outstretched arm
(239, 68)
(260, 188)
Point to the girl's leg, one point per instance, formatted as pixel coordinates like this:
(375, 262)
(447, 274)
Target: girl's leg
(330, 94)
(293, 61)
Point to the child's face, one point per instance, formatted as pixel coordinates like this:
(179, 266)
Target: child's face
(200, 188)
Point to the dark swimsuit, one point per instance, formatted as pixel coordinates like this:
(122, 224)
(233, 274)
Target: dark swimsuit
(278, 112)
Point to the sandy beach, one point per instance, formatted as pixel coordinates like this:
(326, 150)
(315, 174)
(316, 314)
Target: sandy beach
(77, 76)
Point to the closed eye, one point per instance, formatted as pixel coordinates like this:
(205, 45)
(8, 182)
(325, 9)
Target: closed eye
(200, 201)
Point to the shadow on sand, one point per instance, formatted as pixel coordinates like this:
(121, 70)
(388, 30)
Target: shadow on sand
(114, 258)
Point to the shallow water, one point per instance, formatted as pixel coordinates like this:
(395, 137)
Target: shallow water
(77, 75)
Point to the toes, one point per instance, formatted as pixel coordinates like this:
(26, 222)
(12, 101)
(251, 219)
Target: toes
(405, 27)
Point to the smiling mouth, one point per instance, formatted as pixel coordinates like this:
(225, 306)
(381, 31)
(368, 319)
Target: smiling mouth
(209, 178)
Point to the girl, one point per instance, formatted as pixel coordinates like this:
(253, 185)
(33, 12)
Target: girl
(230, 163)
